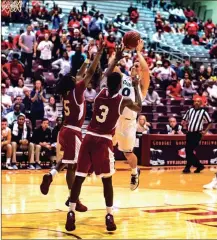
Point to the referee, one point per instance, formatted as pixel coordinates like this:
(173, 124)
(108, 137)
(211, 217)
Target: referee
(195, 117)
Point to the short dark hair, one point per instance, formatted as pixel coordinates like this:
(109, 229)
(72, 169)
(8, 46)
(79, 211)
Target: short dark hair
(44, 120)
(113, 82)
(65, 84)
(4, 120)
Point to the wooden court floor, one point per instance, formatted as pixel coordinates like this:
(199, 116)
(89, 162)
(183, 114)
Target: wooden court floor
(167, 204)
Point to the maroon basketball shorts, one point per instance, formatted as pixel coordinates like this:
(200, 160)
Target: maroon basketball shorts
(96, 155)
(70, 142)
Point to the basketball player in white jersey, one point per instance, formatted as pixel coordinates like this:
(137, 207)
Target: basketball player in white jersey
(125, 134)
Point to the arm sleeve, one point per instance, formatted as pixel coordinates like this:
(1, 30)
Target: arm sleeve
(79, 91)
(207, 117)
(186, 117)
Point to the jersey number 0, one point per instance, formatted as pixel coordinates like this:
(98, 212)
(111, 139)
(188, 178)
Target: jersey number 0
(104, 112)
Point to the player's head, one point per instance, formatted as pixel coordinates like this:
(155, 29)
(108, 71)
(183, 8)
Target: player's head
(65, 84)
(114, 83)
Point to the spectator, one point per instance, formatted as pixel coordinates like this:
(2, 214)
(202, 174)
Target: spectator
(209, 26)
(74, 23)
(201, 74)
(6, 142)
(94, 27)
(75, 39)
(55, 131)
(152, 97)
(5, 98)
(69, 51)
(156, 69)
(64, 41)
(27, 42)
(21, 134)
(27, 102)
(186, 68)
(14, 69)
(18, 91)
(77, 59)
(54, 38)
(42, 140)
(18, 99)
(173, 127)
(209, 73)
(130, 9)
(142, 125)
(213, 51)
(134, 16)
(159, 22)
(177, 15)
(89, 95)
(9, 90)
(55, 20)
(12, 116)
(84, 6)
(187, 40)
(43, 14)
(166, 74)
(188, 88)
(157, 38)
(51, 111)
(202, 95)
(203, 40)
(189, 13)
(167, 28)
(91, 48)
(72, 14)
(45, 47)
(63, 64)
(110, 43)
(174, 90)
(187, 77)
(38, 98)
(192, 28)
(212, 92)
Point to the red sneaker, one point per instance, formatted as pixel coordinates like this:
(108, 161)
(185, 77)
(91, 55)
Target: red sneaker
(70, 221)
(46, 182)
(110, 224)
(80, 207)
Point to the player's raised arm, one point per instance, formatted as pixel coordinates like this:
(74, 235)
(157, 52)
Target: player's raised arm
(94, 64)
(144, 73)
(82, 69)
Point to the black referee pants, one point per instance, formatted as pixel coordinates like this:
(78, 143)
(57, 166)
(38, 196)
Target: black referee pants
(192, 142)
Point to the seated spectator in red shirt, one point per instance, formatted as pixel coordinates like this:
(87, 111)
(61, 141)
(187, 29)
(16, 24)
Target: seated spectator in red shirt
(110, 43)
(174, 90)
(74, 23)
(209, 26)
(14, 69)
(189, 13)
(192, 27)
(213, 51)
(43, 14)
(167, 27)
(16, 39)
(201, 94)
(86, 19)
(134, 16)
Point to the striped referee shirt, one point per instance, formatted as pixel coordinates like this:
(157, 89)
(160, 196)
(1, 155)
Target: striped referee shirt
(195, 118)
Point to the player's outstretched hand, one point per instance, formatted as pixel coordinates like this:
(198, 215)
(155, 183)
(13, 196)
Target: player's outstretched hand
(119, 52)
(140, 45)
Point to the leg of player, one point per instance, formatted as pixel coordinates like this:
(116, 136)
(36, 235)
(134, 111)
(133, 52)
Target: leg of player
(213, 184)
(132, 160)
(75, 192)
(108, 195)
(70, 178)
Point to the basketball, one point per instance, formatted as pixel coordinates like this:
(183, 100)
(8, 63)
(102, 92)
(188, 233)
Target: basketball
(130, 39)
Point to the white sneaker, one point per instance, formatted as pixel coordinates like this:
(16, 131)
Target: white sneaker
(213, 161)
(9, 167)
(212, 185)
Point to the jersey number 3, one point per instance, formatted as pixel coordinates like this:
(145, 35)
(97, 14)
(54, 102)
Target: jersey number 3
(103, 115)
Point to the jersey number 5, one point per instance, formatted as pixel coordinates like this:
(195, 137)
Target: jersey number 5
(103, 115)
(66, 108)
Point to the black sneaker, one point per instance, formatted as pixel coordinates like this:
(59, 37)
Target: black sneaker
(110, 224)
(186, 170)
(47, 180)
(199, 169)
(134, 180)
(79, 206)
(70, 221)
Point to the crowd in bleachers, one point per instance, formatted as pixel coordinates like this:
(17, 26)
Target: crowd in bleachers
(33, 60)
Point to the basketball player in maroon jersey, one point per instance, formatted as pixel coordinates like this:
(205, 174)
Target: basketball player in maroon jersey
(96, 153)
(70, 135)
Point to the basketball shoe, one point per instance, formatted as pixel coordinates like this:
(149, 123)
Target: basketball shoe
(79, 206)
(110, 224)
(70, 221)
(134, 181)
(212, 185)
(46, 182)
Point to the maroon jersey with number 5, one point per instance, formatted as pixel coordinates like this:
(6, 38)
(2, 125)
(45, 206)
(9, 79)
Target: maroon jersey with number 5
(74, 105)
(106, 113)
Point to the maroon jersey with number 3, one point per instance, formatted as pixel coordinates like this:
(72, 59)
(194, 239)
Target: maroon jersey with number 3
(74, 105)
(106, 113)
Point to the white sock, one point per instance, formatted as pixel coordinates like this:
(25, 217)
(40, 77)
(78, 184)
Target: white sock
(134, 171)
(72, 206)
(53, 172)
(8, 161)
(109, 210)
